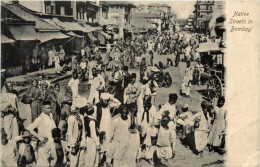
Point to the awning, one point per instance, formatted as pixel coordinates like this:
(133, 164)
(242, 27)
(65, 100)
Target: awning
(74, 35)
(208, 46)
(88, 28)
(69, 26)
(23, 32)
(101, 39)
(5, 39)
(47, 36)
(91, 36)
(105, 34)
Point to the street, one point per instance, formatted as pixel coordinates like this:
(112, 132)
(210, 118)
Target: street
(184, 156)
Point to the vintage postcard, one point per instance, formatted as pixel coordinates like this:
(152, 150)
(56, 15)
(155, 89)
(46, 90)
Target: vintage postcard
(130, 83)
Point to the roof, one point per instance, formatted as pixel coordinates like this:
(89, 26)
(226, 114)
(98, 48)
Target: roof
(208, 46)
(105, 34)
(124, 3)
(146, 15)
(159, 10)
(69, 26)
(23, 14)
(74, 35)
(5, 39)
(139, 25)
(91, 36)
(47, 36)
(158, 5)
(23, 32)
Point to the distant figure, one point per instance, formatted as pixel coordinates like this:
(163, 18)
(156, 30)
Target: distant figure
(169, 62)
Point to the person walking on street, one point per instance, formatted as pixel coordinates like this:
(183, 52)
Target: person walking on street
(44, 58)
(35, 102)
(51, 55)
(57, 64)
(76, 136)
(177, 54)
(9, 108)
(61, 55)
(55, 98)
(218, 129)
(186, 83)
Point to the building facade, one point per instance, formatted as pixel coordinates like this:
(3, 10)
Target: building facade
(216, 24)
(202, 16)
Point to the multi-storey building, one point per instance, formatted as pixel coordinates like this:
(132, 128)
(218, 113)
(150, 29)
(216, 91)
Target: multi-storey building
(164, 7)
(203, 13)
(86, 11)
(216, 23)
(163, 10)
(190, 21)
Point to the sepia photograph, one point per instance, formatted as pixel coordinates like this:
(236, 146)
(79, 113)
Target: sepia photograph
(113, 83)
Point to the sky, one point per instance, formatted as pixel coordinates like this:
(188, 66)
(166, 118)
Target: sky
(182, 8)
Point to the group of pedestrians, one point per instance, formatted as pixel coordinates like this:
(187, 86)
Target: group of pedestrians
(117, 124)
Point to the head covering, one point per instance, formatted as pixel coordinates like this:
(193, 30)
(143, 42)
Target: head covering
(56, 132)
(145, 78)
(204, 104)
(133, 75)
(46, 103)
(90, 106)
(26, 134)
(68, 89)
(173, 96)
(79, 102)
(185, 105)
(105, 96)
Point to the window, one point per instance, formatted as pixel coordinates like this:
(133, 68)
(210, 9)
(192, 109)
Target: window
(62, 10)
(48, 9)
(203, 7)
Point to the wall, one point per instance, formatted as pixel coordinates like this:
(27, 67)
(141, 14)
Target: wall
(34, 5)
(116, 9)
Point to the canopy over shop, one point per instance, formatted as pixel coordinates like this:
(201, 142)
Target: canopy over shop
(15, 38)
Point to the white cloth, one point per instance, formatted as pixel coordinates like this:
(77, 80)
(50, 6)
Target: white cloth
(74, 84)
(83, 65)
(44, 124)
(9, 154)
(172, 123)
(91, 155)
(9, 99)
(57, 64)
(98, 83)
(73, 131)
(51, 55)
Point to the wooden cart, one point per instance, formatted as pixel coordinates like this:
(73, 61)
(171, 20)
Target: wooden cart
(213, 57)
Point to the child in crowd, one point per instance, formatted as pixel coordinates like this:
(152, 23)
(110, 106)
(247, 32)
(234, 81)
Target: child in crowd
(202, 127)
(185, 119)
(56, 149)
(26, 151)
(131, 90)
(167, 80)
(165, 140)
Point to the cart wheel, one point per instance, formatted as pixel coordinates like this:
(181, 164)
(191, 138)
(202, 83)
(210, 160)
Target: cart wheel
(214, 87)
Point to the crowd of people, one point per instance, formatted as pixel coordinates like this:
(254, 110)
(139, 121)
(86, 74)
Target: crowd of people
(118, 123)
